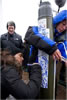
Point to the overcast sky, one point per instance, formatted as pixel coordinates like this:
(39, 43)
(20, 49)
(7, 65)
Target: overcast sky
(23, 12)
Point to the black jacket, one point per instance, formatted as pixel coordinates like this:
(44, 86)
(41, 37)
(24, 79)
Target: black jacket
(15, 44)
(38, 41)
(12, 84)
(34, 38)
(11, 42)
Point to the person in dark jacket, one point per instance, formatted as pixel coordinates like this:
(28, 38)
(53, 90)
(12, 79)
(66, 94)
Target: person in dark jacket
(11, 36)
(11, 83)
(12, 40)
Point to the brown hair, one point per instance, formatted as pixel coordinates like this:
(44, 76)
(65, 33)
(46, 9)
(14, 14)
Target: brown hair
(6, 58)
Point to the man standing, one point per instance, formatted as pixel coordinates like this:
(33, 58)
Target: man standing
(11, 38)
(13, 41)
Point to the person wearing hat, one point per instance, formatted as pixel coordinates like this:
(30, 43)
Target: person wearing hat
(60, 31)
(11, 82)
(47, 45)
(60, 36)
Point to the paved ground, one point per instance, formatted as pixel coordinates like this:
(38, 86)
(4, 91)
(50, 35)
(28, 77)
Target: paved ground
(61, 93)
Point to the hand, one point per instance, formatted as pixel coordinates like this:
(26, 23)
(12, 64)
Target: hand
(19, 58)
(57, 55)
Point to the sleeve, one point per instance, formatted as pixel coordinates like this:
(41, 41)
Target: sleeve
(18, 88)
(26, 51)
(20, 42)
(39, 41)
(1, 40)
(33, 55)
